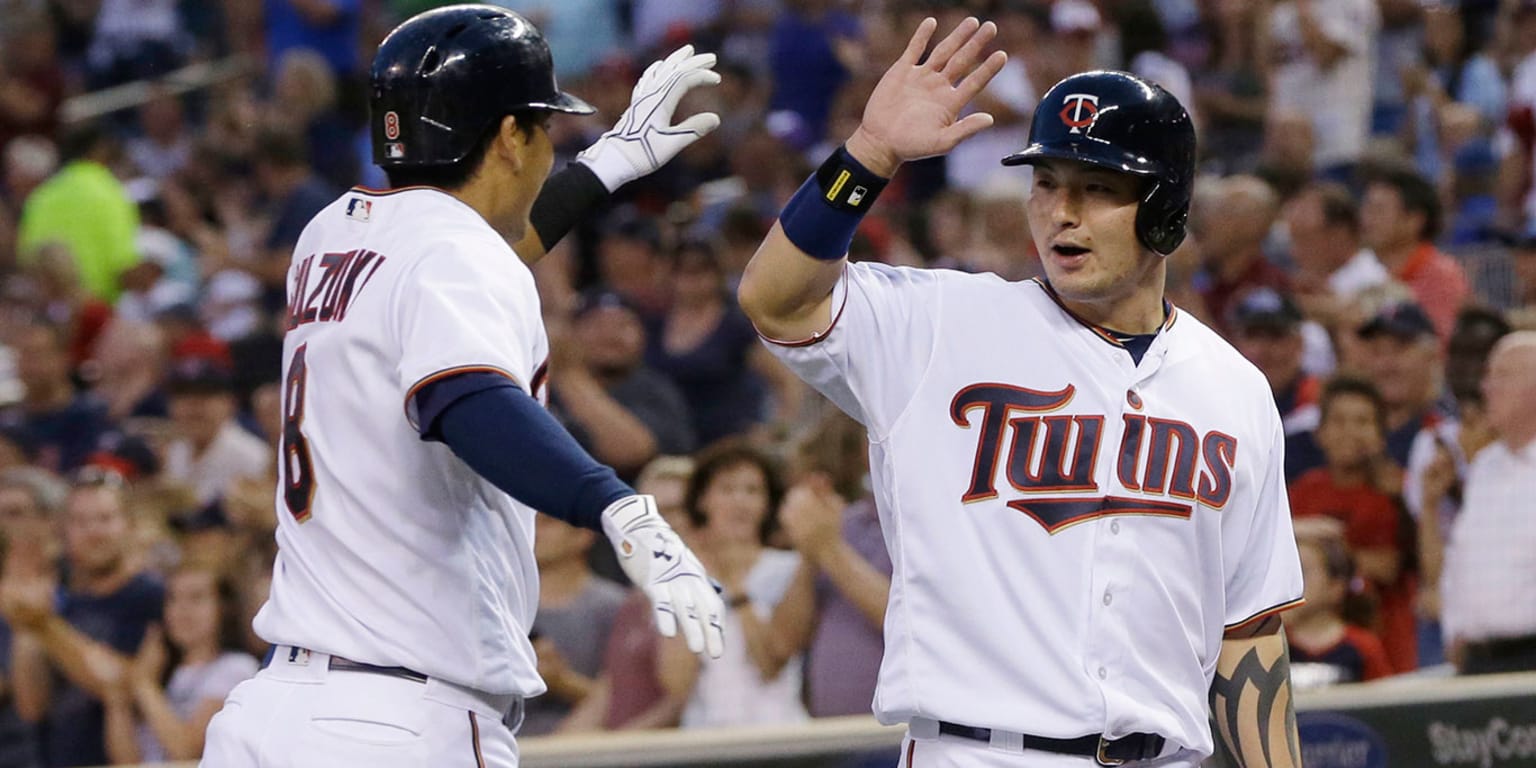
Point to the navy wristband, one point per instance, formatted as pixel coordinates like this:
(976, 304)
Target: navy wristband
(825, 212)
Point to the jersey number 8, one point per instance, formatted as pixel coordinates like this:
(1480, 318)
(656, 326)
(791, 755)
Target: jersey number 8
(298, 477)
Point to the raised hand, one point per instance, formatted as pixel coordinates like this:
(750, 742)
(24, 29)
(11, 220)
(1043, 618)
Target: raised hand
(914, 111)
(645, 138)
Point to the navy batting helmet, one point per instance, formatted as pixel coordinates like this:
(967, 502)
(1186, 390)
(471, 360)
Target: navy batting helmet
(444, 76)
(1120, 121)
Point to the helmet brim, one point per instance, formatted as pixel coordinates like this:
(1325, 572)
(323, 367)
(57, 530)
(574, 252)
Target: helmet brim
(564, 102)
(1104, 156)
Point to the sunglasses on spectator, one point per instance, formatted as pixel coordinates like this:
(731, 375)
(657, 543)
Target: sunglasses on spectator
(97, 477)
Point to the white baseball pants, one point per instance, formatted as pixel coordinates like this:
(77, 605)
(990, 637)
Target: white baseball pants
(299, 713)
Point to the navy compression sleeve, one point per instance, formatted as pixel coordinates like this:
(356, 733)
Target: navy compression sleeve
(506, 437)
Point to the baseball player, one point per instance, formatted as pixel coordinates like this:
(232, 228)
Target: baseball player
(1081, 486)
(415, 444)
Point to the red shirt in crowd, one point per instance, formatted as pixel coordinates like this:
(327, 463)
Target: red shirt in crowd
(1439, 284)
(1371, 521)
(631, 663)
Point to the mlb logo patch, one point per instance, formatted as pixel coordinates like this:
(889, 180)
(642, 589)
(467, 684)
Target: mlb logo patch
(394, 150)
(360, 209)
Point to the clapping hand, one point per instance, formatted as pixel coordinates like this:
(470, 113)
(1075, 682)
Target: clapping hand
(27, 602)
(811, 515)
(149, 663)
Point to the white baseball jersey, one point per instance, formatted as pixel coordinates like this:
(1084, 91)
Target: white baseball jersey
(392, 551)
(1070, 532)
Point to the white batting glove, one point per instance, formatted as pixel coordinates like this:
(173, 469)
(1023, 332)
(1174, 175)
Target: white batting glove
(645, 138)
(657, 561)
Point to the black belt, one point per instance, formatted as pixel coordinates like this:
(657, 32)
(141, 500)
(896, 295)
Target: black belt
(1501, 647)
(1137, 746)
(339, 664)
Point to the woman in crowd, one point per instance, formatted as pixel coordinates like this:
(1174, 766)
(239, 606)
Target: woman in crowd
(710, 350)
(167, 694)
(732, 500)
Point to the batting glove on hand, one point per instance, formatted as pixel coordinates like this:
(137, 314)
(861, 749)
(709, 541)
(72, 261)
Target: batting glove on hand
(657, 561)
(645, 138)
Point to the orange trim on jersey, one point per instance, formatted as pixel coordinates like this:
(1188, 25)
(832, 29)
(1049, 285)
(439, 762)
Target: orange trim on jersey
(1266, 613)
(447, 372)
(815, 337)
(393, 190)
(911, 750)
(1100, 331)
(474, 735)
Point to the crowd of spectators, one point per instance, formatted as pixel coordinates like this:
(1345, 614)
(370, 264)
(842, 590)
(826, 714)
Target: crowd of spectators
(1364, 231)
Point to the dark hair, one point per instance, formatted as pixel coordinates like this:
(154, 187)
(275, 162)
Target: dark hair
(838, 446)
(741, 224)
(1339, 206)
(729, 454)
(281, 149)
(1037, 11)
(82, 140)
(1358, 607)
(1473, 316)
(697, 251)
(456, 175)
(1141, 29)
(1417, 193)
(1344, 385)
(231, 623)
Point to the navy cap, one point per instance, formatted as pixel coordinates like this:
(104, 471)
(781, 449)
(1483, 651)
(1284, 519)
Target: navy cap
(206, 517)
(1265, 309)
(198, 376)
(128, 455)
(629, 224)
(1405, 320)
(594, 299)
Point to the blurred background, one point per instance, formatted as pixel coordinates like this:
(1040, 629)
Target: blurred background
(1364, 230)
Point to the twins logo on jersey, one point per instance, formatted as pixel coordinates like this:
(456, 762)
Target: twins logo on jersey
(1056, 453)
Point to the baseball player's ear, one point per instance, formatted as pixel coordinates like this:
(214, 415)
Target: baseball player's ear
(509, 139)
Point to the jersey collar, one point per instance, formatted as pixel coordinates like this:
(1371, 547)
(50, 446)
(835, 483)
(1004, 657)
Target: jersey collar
(1112, 337)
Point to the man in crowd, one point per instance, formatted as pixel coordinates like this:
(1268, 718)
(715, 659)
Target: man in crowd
(71, 646)
(1266, 328)
(1400, 219)
(616, 406)
(1490, 560)
(1400, 354)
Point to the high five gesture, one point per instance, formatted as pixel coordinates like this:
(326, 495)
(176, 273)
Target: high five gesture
(914, 111)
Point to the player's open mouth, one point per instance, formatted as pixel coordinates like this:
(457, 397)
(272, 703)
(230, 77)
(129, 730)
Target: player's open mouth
(1069, 250)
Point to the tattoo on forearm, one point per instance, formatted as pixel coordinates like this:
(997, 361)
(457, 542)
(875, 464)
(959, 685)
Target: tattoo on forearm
(1258, 689)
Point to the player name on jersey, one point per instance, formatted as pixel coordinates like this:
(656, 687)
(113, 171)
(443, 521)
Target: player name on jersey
(1155, 456)
(342, 276)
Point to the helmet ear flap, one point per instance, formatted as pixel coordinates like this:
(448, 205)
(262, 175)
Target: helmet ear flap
(1160, 220)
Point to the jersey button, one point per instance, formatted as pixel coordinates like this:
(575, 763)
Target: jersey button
(1103, 673)
(1108, 598)
(1114, 527)
(1133, 399)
